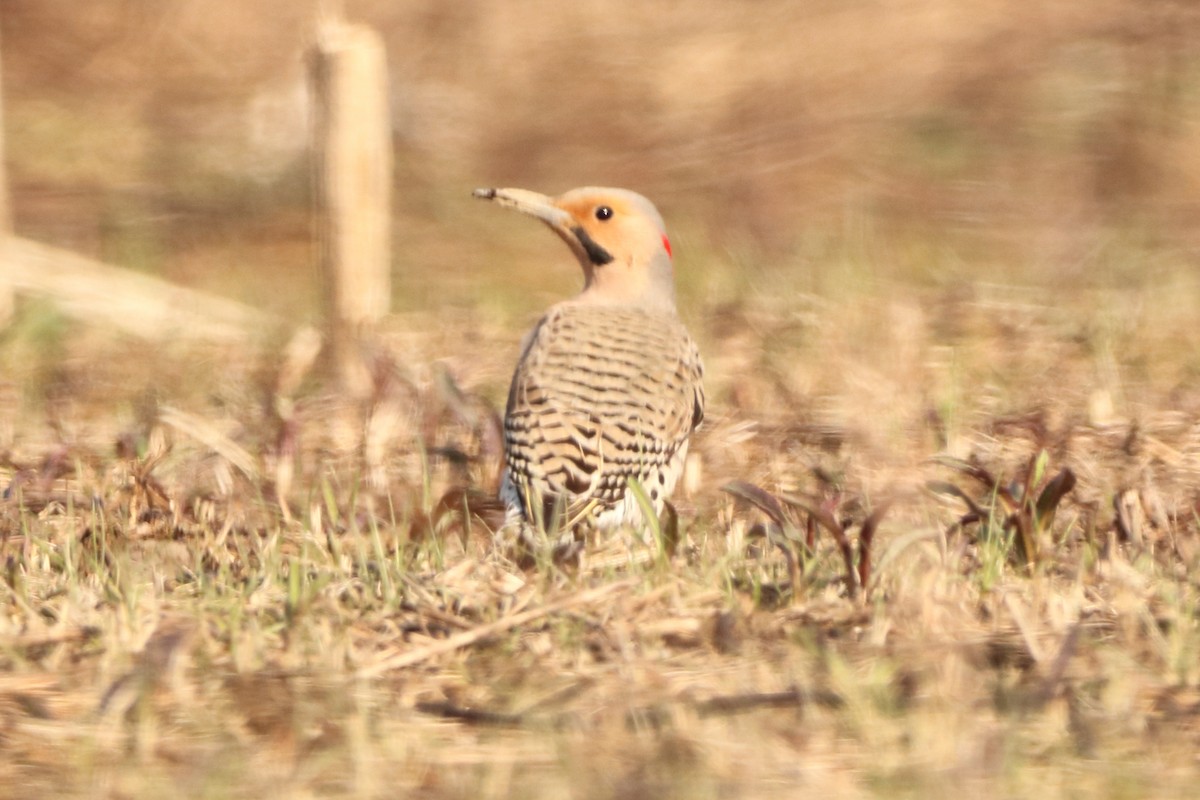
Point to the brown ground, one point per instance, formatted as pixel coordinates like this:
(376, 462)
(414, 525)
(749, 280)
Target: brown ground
(906, 235)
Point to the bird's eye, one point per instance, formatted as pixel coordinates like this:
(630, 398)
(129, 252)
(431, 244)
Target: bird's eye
(604, 213)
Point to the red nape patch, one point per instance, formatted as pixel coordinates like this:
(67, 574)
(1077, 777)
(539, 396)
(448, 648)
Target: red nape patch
(667, 244)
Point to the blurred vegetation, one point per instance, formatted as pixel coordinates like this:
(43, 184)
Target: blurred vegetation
(930, 139)
(940, 258)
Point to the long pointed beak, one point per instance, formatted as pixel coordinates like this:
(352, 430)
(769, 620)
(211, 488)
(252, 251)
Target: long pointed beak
(532, 203)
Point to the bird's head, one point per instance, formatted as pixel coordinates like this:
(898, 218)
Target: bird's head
(617, 235)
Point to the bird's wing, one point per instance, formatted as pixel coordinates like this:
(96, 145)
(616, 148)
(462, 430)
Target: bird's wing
(600, 395)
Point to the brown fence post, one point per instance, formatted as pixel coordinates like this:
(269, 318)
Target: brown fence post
(7, 292)
(352, 154)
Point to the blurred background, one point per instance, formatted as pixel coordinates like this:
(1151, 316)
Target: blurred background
(921, 141)
(902, 228)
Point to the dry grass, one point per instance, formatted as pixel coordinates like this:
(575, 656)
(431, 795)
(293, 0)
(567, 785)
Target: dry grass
(234, 583)
(923, 244)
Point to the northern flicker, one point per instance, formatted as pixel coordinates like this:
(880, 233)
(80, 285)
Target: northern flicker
(608, 386)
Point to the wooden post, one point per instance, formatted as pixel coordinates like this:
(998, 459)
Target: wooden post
(7, 292)
(352, 154)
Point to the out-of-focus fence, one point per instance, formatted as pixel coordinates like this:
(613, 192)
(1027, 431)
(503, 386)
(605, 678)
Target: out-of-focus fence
(971, 135)
(352, 160)
(352, 178)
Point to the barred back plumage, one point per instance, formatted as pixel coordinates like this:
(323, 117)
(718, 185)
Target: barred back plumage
(600, 395)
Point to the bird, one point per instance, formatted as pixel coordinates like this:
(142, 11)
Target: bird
(609, 384)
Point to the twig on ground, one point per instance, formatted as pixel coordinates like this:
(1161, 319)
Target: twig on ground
(459, 641)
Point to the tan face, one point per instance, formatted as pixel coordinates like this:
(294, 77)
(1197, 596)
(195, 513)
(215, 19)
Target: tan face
(613, 224)
(617, 235)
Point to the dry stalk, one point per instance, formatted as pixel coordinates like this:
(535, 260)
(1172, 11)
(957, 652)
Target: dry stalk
(468, 638)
